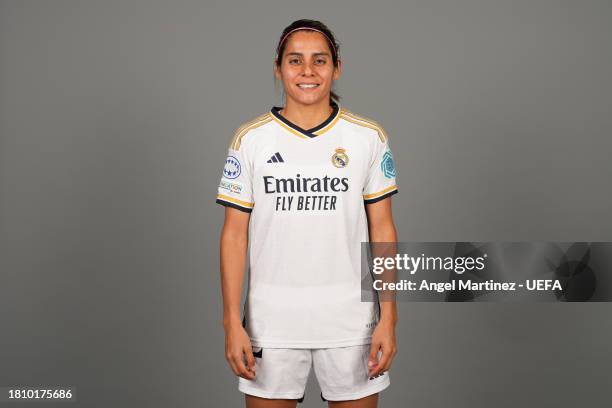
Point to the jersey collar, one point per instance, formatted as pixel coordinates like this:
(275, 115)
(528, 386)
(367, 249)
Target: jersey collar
(307, 133)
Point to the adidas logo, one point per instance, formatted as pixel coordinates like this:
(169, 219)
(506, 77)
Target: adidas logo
(276, 158)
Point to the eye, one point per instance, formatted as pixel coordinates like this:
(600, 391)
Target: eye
(294, 61)
(320, 61)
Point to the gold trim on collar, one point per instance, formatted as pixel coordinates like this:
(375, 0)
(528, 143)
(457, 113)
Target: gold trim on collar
(330, 124)
(319, 132)
(290, 129)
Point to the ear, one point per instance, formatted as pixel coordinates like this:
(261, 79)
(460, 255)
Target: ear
(338, 70)
(277, 73)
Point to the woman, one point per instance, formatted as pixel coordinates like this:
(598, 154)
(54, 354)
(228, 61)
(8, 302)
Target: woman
(304, 185)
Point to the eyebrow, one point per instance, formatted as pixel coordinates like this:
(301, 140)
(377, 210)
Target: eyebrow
(301, 54)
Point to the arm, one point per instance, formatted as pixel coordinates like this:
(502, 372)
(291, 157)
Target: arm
(234, 243)
(382, 229)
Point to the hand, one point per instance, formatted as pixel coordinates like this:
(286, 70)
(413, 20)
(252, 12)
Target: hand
(238, 350)
(383, 339)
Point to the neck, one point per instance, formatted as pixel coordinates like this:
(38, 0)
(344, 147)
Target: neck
(307, 116)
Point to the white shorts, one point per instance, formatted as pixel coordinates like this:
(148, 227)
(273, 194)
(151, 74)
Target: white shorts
(342, 373)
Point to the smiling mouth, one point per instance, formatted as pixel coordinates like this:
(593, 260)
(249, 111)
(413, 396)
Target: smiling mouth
(307, 86)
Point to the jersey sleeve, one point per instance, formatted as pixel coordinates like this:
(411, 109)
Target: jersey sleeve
(236, 186)
(380, 181)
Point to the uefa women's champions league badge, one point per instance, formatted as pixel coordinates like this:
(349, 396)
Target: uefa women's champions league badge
(388, 165)
(340, 158)
(232, 168)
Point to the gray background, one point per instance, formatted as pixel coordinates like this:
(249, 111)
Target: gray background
(115, 117)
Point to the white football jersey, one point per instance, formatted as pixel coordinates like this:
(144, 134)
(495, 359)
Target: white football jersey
(306, 191)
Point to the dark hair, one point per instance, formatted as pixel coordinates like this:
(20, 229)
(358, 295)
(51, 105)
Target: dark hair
(334, 46)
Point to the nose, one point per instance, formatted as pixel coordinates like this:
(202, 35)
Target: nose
(307, 69)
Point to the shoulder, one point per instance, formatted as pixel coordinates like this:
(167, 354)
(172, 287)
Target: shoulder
(365, 124)
(246, 129)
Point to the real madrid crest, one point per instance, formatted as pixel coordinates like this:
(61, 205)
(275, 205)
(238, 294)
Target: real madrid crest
(340, 158)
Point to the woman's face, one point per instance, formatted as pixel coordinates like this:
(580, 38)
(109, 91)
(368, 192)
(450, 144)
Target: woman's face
(307, 69)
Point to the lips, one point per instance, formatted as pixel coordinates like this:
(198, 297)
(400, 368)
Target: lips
(307, 86)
